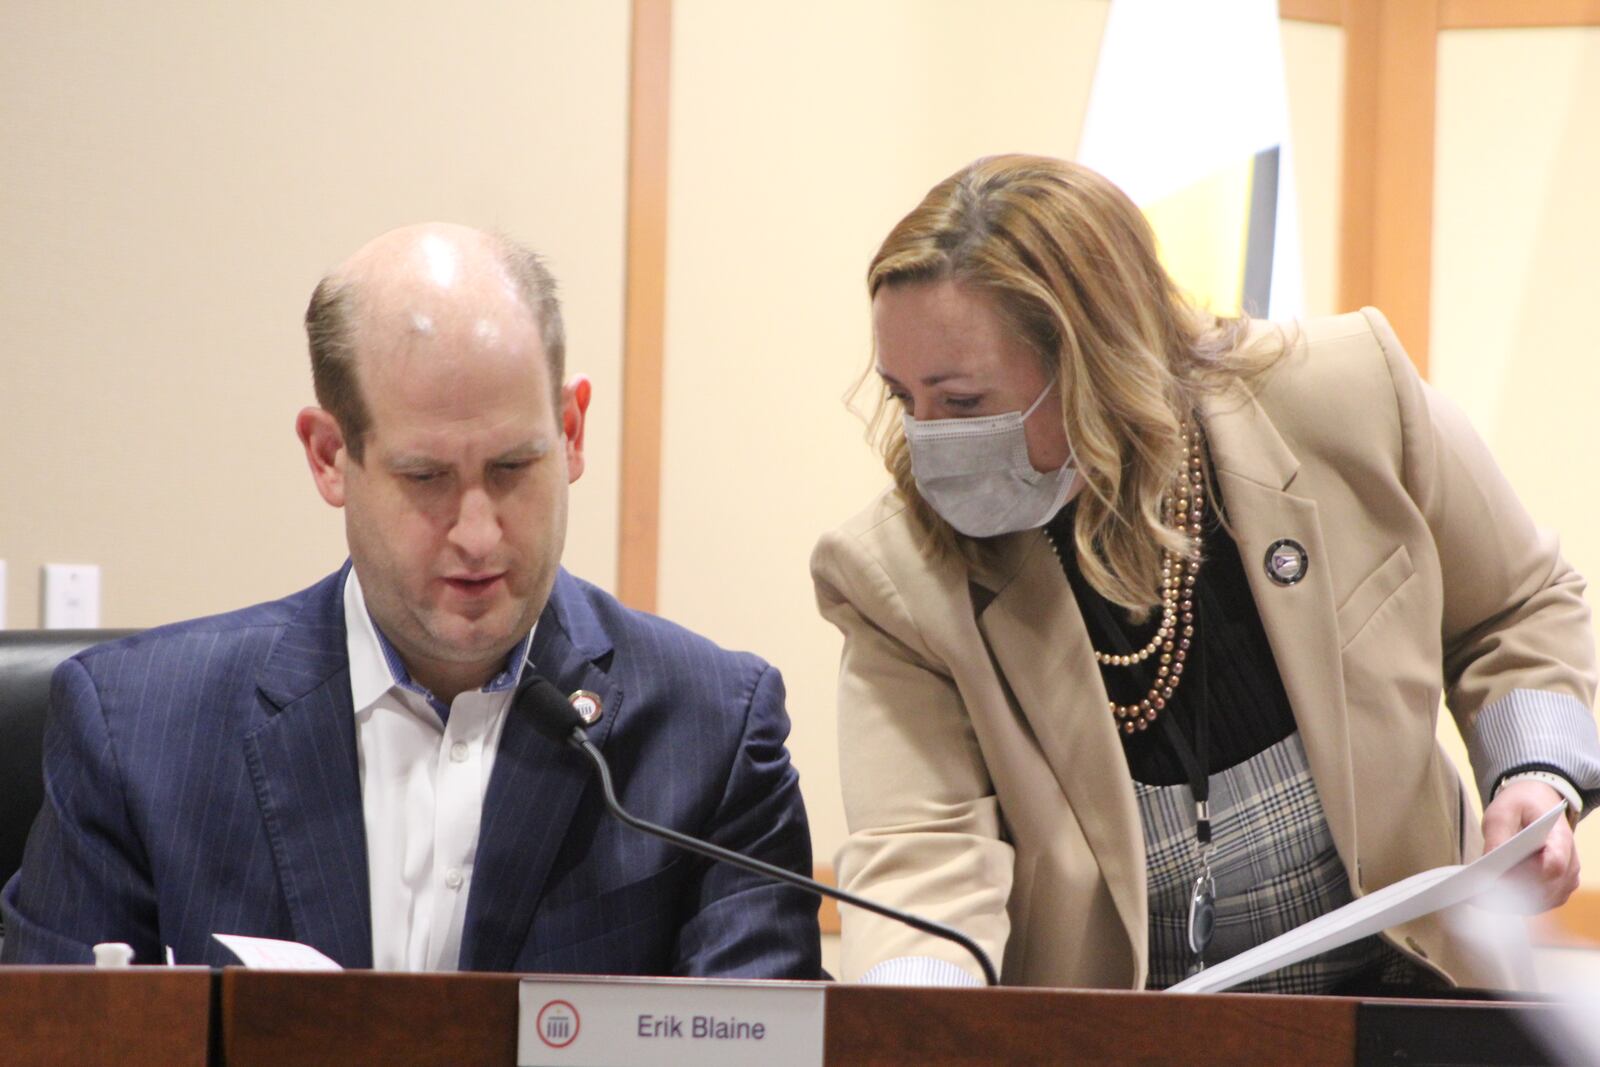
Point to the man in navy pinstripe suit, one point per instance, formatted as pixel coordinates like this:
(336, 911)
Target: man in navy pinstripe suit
(343, 767)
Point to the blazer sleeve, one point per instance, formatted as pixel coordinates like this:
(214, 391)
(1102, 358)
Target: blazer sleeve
(1519, 655)
(924, 821)
(84, 878)
(747, 925)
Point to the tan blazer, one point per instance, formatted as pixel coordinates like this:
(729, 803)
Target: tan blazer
(984, 783)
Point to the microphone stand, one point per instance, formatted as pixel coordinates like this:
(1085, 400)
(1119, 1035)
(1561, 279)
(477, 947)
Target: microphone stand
(580, 740)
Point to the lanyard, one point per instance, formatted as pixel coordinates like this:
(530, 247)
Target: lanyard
(1193, 757)
(1203, 893)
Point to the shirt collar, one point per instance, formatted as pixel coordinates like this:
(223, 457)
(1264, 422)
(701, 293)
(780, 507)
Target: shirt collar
(376, 667)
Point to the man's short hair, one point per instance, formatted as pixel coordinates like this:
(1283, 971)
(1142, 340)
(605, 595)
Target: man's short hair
(329, 328)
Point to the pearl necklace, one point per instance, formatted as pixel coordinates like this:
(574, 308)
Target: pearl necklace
(1185, 510)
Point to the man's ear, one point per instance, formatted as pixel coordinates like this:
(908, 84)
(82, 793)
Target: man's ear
(325, 452)
(574, 409)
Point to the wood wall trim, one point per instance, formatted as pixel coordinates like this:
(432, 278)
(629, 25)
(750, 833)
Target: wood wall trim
(1329, 12)
(1576, 924)
(1516, 14)
(1386, 236)
(1360, 142)
(828, 911)
(1466, 14)
(644, 304)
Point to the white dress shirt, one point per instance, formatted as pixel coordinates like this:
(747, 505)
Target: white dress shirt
(424, 774)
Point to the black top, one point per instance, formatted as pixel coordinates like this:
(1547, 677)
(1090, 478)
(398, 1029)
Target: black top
(1230, 663)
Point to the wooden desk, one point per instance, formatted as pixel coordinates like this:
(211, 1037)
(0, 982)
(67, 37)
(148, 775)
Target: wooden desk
(80, 1017)
(307, 1020)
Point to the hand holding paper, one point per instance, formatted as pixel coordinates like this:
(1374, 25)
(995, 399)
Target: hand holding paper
(1547, 878)
(1411, 898)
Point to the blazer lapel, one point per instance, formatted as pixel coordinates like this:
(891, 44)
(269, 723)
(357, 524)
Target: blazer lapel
(303, 766)
(1039, 645)
(535, 787)
(1255, 471)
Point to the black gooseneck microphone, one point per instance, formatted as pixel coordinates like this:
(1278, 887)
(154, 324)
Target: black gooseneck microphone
(555, 717)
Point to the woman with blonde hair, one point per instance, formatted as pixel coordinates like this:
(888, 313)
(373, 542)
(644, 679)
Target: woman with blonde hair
(1144, 647)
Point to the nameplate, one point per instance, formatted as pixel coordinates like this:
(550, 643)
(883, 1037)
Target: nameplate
(645, 1022)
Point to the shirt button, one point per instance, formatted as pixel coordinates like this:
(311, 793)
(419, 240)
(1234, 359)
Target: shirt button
(452, 878)
(458, 752)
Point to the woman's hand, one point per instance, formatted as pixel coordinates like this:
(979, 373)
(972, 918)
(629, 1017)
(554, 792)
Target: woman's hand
(1547, 878)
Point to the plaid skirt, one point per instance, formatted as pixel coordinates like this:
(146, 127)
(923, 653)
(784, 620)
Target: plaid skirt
(1275, 867)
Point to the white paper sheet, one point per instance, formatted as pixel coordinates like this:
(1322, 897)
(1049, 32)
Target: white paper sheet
(1411, 898)
(267, 954)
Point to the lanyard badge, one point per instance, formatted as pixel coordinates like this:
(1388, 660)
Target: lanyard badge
(1203, 896)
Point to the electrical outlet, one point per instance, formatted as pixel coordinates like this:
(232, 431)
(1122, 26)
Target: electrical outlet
(71, 596)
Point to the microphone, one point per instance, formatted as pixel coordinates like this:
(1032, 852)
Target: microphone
(555, 717)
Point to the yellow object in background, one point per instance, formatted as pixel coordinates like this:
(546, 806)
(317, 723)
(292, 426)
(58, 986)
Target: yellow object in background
(1203, 230)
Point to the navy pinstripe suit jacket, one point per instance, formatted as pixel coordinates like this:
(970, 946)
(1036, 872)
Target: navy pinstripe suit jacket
(202, 778)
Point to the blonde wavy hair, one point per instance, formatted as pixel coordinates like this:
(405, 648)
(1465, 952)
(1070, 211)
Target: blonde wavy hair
(1070, 264)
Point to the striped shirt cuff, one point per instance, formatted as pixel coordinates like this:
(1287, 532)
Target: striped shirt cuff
(1532, 728)
(919, 970)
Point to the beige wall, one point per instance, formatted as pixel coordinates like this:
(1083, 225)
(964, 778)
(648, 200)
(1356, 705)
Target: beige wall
(1313, 61)
(175, 178)
(1516, 233)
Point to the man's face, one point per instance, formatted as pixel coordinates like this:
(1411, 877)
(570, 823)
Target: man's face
(456, 514)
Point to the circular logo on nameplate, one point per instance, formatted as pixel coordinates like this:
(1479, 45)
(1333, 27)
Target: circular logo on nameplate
(557, 1024)
(587, 705)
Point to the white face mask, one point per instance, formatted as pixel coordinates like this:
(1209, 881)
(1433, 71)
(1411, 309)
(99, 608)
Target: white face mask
(975, 472)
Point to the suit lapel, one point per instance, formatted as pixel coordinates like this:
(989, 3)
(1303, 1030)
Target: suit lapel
(1038, 642)
(303, 766)
(1255, 471)
(535, 787)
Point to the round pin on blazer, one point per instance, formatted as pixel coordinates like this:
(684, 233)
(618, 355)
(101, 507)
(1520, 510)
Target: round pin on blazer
(587, 705)
(1286, 561)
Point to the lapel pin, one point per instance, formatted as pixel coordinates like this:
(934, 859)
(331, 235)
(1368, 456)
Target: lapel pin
(1286, 561)
(587, 705)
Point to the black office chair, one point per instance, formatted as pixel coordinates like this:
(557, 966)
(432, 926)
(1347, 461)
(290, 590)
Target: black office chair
(27, 659)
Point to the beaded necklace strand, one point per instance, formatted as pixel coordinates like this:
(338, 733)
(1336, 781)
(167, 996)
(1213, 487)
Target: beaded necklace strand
(1185, 509)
